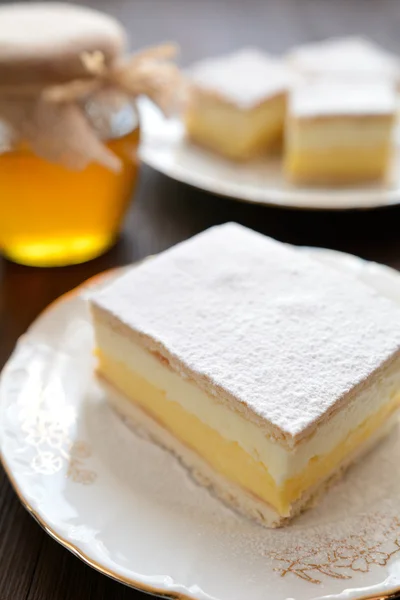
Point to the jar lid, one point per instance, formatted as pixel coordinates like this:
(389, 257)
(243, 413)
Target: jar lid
(56, 60)
(44, 42)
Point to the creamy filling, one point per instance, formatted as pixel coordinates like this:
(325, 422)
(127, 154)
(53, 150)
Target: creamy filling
(228, 458)
(337, 133)
(282, 463)
(233, 132)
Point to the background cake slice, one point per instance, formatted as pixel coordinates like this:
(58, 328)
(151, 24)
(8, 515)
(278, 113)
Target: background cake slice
(266, 372)
(340, 132)
(237, 103)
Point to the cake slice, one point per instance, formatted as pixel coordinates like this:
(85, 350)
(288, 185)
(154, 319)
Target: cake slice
(266, 372)
(237, 104)
(340, 132)
(353, 58)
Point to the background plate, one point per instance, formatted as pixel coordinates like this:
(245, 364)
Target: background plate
(164, 147)
(130, 510)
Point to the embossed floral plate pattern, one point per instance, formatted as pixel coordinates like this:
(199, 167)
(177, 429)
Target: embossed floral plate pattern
(165, 148)
(129, 509)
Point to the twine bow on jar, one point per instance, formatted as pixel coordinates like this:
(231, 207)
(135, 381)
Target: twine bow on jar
(55, 121)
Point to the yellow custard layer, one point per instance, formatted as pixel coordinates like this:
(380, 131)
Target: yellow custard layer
(226, 457)
(235, 133)
(338, 165)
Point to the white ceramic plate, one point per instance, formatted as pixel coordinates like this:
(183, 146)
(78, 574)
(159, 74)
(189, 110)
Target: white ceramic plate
(261, 181)
(130, 509)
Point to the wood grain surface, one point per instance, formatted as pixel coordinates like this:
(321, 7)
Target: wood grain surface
(32, 565)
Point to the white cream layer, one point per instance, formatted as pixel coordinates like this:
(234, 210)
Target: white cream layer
(338, 133)
(282, 463)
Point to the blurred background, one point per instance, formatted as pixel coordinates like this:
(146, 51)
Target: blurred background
(213, 27)
(166, 211)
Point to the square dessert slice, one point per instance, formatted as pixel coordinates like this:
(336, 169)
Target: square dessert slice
(340, 132)
(348, 58)
(237, 104)
(266, 372)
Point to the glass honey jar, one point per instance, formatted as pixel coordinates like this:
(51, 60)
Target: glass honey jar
(69, 130)
(53, 216)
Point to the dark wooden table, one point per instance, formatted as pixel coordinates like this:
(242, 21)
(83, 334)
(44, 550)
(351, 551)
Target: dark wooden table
(33, 566)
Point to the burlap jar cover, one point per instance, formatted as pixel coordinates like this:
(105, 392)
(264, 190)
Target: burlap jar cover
(48, 111)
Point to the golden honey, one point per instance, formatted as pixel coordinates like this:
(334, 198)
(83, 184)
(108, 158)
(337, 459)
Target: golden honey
(50, 215)
(68, 97)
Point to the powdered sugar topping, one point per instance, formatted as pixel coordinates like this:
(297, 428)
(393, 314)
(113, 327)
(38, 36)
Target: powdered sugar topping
(353, 57)
(282, 333)
(245, 78)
